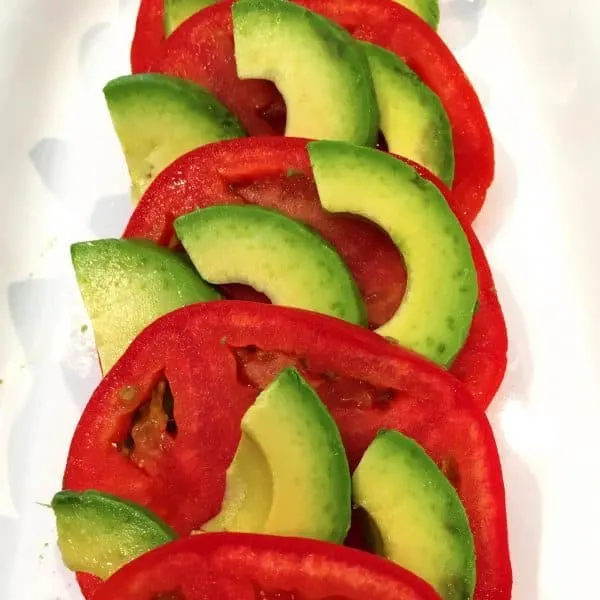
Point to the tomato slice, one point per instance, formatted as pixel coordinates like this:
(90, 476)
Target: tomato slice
(275, 172)
(235, 566)
(216, 357)
(149, 35)
(202, 50)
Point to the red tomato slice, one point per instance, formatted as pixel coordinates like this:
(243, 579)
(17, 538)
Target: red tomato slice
(149, 35)
(275, 172)
(217, 356)
(202, 50)
(235, 566)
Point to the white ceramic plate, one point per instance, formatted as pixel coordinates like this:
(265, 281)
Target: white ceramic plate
(535, 65)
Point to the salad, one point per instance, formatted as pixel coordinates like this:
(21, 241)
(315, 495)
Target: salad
(298, 329)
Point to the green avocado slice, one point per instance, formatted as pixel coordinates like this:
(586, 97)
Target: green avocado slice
(290, 475)
(419, 520)
(413, 119)
(158, 118)
(127, 284)
(99, 533)
(320, 70)
(290, 263)
(435, 315)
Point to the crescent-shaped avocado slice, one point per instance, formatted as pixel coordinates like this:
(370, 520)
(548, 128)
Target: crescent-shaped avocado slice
(319, 68)
(417, 517)
(159, 118)
(276, 255)
(412, 118)
(435, 316)
(290, 475)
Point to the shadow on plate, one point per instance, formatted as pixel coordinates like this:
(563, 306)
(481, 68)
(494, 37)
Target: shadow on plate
(109, 210)
(523, 494)
(33, 304)
(460, 21)
(501, 197)
(49, 156)
(524, 505)
(10, 530)
(519, 371)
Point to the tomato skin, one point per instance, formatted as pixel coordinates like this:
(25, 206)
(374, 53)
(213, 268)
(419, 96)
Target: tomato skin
(202, 50)
(195, 348)
(149, 36)
(206, 176)
(88, 584)
(236, 566)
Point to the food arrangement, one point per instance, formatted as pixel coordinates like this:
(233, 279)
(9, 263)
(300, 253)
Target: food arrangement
(298, 330)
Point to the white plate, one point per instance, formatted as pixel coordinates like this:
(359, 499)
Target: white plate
(535, 65)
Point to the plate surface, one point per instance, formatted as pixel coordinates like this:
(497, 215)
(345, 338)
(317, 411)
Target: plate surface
(535, 66)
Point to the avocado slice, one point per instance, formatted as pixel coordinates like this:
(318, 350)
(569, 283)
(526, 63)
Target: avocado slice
(319, 69)
(290, 475)
(127, 284)
(99, 533)
(428, 10)
(291, 264)
(158, 118)
(412, 118)
(419, 519)
(435, 315)
(178, 11)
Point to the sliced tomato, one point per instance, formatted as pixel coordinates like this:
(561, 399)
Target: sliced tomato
(149, 36)
(216, 357)
(202, 50)
(275, 172)
(235, 566)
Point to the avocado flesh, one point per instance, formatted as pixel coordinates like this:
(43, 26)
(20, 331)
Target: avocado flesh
(412, 118)
(290, 474)
(178, 11)
(127, 284)
(280, 257)
(435, 315)
(428, 10)
(99, 533)
(319, 69)
(159, 118)
(419, 517)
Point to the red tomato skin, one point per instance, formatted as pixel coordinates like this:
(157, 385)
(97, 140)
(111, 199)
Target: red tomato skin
(197, 350)
(235, 566)
(204, 177)
(202, 50)
(149, 36)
